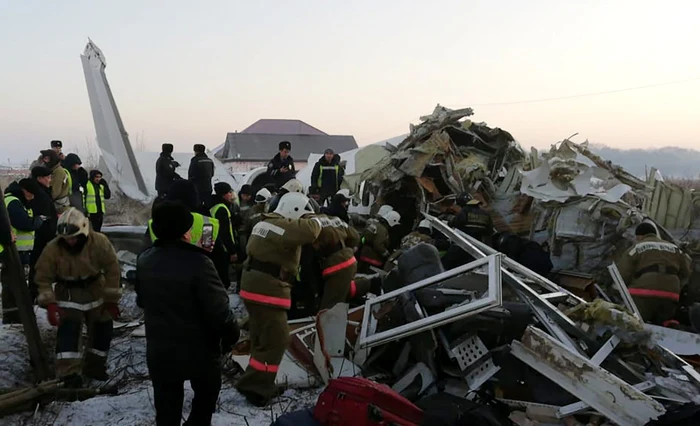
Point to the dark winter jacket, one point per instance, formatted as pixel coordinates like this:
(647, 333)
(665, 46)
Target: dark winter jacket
(201, 173)
(327, 176)
(17, 211)
(226, 226)
(165, 172)
(43, 205)
(187, 314)
(274, 166)
(78, 176)
(336, 209)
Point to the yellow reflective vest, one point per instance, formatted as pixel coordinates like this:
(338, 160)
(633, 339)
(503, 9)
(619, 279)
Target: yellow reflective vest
(25, 239)
(213, 212)
(200, 223)
(335, 168)
(91, 193)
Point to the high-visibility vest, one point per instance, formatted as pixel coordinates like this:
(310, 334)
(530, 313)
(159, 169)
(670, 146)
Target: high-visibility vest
(25, 239)
(213, 212)
(198, 225)
(91, 197)
(319, 181)
(69, 180)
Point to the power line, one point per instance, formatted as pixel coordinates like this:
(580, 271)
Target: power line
(582, 95)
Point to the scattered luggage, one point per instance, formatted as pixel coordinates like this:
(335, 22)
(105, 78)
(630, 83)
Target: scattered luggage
(356, 401)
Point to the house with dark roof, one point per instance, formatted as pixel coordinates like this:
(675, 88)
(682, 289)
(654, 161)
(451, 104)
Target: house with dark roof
(258, 143)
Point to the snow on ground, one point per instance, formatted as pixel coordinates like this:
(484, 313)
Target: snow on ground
(133, 406)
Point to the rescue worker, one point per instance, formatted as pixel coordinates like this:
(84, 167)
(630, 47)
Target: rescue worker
(339, 206)
(274, 249)
(472, 219)
(96, 192)
(189, 324)
(281, 168)
(201, 172)
(24, 223)
(61, 181)
(221, 211)
(42, 205)
(84, 268)
(18, 199)
(256, 212)
(292, 185)
(421, 235)
(327, 175)
(335, 247)
(654, 270)
(56, 146)
(78, 180)
(165, 170)
(376, 241)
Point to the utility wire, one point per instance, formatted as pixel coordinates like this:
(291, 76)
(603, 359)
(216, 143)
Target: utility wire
(582, 95)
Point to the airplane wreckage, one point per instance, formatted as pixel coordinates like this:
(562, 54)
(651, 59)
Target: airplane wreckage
(552, 350)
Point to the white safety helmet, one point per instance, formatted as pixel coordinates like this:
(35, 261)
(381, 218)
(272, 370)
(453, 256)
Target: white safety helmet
(72, 223)
(384, 209)
(425, 223)
(393, 218)
(294, 205)
(262, 196)
(293, 185)
(345, 192)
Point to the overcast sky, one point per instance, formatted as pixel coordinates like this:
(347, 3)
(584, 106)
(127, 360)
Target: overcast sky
(187, 72)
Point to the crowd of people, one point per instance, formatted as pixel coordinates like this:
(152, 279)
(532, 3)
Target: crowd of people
(294, 252)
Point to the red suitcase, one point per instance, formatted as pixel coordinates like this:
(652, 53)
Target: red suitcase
(356, 401)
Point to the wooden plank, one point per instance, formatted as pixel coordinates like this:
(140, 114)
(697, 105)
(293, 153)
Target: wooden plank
(16, 283)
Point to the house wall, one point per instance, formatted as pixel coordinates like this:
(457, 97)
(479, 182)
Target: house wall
(235, 166)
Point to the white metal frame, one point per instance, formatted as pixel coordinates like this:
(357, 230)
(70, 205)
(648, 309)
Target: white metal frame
(492, 299)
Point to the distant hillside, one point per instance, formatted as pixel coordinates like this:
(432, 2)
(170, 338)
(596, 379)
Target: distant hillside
(671, 161)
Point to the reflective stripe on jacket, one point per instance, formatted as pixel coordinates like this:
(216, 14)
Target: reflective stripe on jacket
(25, 239)
(91, 198)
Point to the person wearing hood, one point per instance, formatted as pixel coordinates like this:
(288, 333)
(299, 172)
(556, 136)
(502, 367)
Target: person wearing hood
(327, 175)
(165, 170)
(189, 324)
(281, 168)
(222, 211)
(376, 241)
(24, 223)
(96, 192)
(56, 146)
(246, 198)
(78, 179)
(61, 181)
(339, 207)
(201, 173)
(79, 278)
(421, 235)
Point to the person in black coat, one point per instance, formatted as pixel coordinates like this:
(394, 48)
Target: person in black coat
(79, 178)
(18, 211)
(327, 175)
(189, 323)
(338, 207)
(281, 168)
(42, 205)
(201, 173)
(228, 217)
(165, 170)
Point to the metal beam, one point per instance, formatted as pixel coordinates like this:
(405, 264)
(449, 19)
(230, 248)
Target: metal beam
(607, 394)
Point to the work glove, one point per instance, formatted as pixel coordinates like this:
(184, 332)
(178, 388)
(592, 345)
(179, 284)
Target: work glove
(53, 313)
(113, 310)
